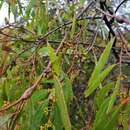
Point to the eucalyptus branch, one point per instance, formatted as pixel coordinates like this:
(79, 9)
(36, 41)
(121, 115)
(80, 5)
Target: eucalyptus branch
(70, 22)
(28, 92)
(118, 18)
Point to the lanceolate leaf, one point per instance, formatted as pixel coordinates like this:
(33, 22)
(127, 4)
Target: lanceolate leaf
(100, 119)
(57, 119)
(55, 60)
(94, 79)
(103, 93)
(113, 97)
(106, 121)
(112, 122)
(98, 80)
(102, 61)
(73, 27)
(62, 104)
(67, 88)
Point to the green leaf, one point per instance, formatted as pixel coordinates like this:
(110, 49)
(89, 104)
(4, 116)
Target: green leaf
(73, 27)
(35, 113)
(52, 53)
(113, 97)
(103, 93)
(20, 7)
(1, 3)
(39, 115)
(60, 99)
(13, 8)
(30, 5)
(98, 80)
(68, 92)
(100, 119)
(101, 63)
(39, 95)
(113, 121)
(104, 121)
(55, 60)
(44, 51)
(124, 118)
(57, 119)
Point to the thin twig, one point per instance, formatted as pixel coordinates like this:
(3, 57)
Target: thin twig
(70, 22)
(120, 5)
(119, 18)
(86, 9)
(28, 92)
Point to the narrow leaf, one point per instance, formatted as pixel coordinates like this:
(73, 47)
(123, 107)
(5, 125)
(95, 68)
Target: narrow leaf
(113, 97)
(103, 93)
(68, 92)
(98, 80)
(112, 123)
(62, 104)
(73, 26)
(55, 60)
(102, 61)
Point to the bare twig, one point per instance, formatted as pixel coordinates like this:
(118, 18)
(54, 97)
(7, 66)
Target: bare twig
(119, 18)
(69, 22)
(86, 9)
(120, 5)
